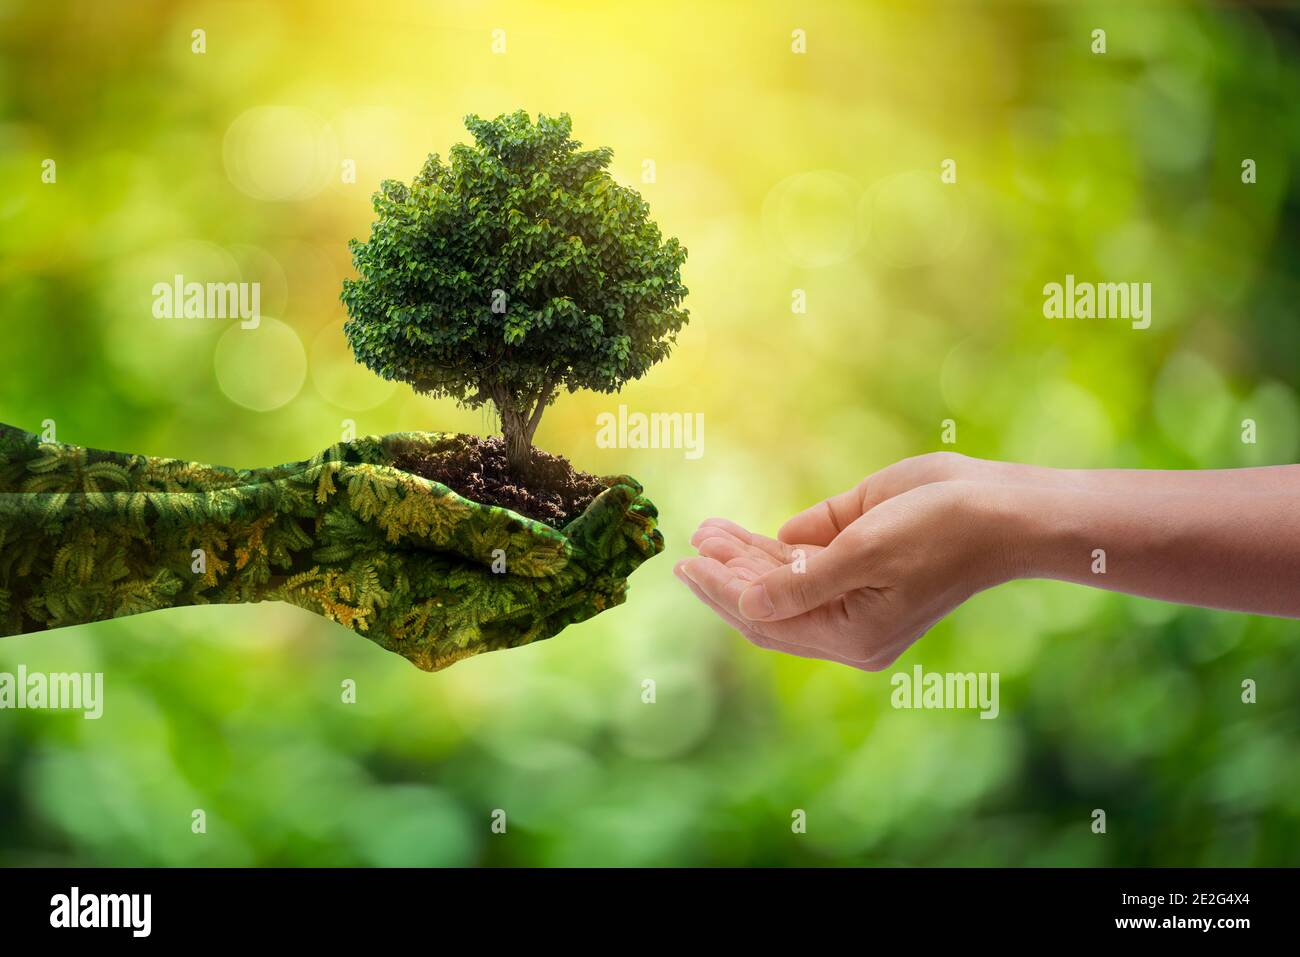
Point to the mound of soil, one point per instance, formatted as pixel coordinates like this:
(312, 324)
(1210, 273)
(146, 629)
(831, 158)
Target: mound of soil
(552, 492)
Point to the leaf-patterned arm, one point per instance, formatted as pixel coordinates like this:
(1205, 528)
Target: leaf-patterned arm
(87, 535)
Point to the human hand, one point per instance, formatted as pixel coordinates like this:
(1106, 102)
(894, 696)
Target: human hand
(859, 577)
(349, 535)
(862, 576)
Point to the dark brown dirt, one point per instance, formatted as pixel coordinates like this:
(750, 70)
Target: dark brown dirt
(552, 492)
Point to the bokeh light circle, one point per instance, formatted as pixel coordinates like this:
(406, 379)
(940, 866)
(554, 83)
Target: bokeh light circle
(279, 153)
(263, 368)
(912, 219)
(1193, 406)
(259, 266)
(811, 218)
(339, 378)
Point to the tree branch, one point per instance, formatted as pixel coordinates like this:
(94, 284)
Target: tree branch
(543, 397)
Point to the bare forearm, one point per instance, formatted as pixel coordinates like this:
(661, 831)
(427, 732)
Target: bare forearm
(1272, 479)
(1237, 550)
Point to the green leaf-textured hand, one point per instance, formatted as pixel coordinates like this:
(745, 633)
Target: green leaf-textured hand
(408, 563)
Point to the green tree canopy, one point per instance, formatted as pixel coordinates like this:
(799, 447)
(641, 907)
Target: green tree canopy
(517, 268)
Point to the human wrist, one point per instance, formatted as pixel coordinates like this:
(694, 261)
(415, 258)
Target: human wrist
(1028, 528)
(988, 548)
(998, 472)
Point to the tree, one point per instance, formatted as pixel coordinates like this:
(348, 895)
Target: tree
(516, 269)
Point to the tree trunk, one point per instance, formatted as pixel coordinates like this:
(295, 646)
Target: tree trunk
(519, 448)
(519, 425)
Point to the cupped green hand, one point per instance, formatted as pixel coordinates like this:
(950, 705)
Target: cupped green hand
(408, 563)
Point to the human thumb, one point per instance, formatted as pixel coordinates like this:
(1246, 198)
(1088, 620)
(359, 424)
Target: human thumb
(800, 586)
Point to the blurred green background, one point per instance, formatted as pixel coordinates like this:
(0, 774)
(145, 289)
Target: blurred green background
(780, 171)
